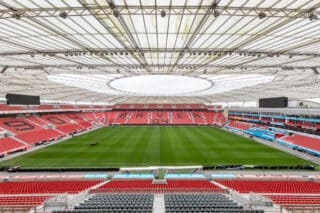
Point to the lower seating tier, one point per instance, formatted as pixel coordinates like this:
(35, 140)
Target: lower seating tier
(202, 203)
(22, 200)
(295, 199)
(304, 141)
(8, 145)
(239, 125)
(70, 128)
(115, 203)
(39, 136)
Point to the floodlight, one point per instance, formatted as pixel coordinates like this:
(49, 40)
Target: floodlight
(116, 12)
(216, 13)
(313, 16)
(163, 13)
(16, 15)
(262, 15)
(63, 14)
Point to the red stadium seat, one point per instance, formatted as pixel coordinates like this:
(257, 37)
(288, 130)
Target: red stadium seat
(295, 199)
(70, 128)
(8, 145)
(41, 187)
(272, 186)
(181, 117)
(22, 200)
(39, 136)
(303, 140)
(239, 125)
(140, 117)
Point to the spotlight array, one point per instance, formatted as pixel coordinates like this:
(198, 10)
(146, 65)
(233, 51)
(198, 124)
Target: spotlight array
(190, 53)
(244, 53)
(216, 11)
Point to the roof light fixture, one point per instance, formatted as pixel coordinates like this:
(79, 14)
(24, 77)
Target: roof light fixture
(63, 14)
(16, 15)
(312, 16)
(216, 13)
(116, 12)
(163, 13)
(262, 15)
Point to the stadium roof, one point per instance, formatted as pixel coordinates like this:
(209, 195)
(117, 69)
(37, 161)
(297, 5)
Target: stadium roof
(204, 50)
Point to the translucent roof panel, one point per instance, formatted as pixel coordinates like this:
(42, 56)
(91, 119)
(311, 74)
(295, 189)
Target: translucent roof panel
(77, 50)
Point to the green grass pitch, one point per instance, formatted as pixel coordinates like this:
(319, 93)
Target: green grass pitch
(121, 146)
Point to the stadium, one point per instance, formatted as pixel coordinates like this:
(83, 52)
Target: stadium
(160, 106)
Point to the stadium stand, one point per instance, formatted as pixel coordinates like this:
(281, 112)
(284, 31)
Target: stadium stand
(21, 203)
(295, 122)
(219, 118)
(160, 117)
(202, 203)
(264, 133)
(55, 119)
(85, 124)
(89, 116)
(239, 125)
(70, 128)
(303, 141)
(22, 200)
(115, 203)
(39, 136)
(48, 187)
(295, 199)
(197, 118)
(139, 117)
(122, 117)
(17, 125)
(36, 121)
(272, 186)
(8, 145)
(101, 118)
(181, 118)
(165, 117)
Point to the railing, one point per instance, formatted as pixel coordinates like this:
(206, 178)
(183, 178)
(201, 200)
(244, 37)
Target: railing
(159, 190)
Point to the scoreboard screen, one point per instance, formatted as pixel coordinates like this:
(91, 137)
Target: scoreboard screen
(17, 99)
(279, 102)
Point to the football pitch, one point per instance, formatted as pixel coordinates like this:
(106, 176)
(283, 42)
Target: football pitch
(122, 146)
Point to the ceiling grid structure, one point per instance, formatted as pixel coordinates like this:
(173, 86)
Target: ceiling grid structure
(70, 50)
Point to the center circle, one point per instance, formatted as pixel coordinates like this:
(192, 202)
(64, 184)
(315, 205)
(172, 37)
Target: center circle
(160, 85)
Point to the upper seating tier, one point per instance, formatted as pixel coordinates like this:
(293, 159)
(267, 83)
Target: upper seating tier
(41, 187)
